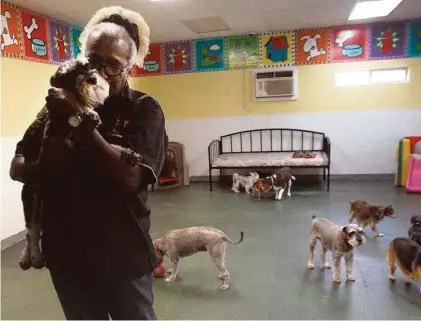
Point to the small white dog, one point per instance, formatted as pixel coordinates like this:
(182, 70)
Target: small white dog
(244, 181)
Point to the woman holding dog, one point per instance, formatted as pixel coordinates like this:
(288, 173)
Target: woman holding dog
(96, 240)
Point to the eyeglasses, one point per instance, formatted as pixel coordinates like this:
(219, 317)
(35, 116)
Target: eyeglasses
(110, 70)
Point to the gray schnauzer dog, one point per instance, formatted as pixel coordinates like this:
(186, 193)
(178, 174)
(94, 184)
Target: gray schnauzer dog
(340, 240)
(246, 182)
(187, 241)
(76, 83)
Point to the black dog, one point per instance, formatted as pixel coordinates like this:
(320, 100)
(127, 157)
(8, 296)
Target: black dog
(414, 232)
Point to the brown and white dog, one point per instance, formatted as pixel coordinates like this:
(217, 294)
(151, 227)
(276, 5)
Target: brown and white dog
(187, 241)
(405, 254)
(369, 214)
(262, 187)
(282, 180)
(414, 231)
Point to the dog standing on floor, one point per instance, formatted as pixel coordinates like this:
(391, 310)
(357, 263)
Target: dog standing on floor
(187, 241)
(369, 214)
(340, 240)
(414, 231)
(246, 182)
(262, 187)
(282, 180)
(405, 254)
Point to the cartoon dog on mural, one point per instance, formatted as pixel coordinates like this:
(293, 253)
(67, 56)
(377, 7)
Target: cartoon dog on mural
(8, 39)
(310, 47)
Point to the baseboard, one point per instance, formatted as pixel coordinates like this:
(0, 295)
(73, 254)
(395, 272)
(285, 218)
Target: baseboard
(13, 239)
(336, 177)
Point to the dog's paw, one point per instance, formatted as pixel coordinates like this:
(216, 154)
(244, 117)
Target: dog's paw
(225, 287)
(337, 280)
(326, 266)
(220, 276)
(25, 261)
(380, 234)
(37, 261)
(289, 194)
(392, 277)
(169, 280)
(350, 277)
(310, 265)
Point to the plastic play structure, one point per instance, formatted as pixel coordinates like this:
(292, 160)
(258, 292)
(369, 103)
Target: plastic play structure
(408, 156)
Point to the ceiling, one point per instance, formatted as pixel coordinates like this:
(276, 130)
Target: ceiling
(166, 18)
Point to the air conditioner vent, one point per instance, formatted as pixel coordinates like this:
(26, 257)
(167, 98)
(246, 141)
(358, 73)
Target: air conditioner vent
(276, 84)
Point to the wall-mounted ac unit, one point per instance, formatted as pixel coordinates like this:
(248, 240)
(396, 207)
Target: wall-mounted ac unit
(270, 84)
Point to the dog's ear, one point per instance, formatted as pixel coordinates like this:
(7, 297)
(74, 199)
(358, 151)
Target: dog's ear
(345, 229)
(416, 220)
(56, 81)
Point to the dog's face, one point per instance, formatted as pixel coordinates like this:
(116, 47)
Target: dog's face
(159, 252)
(353, 235)
(254, 177)
(77, 77)
(388, 211)
(416, 220)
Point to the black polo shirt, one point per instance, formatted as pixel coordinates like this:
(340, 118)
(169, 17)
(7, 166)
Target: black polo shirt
(88, 222)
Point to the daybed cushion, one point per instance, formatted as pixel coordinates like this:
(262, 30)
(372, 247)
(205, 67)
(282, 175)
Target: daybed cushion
(268, 160)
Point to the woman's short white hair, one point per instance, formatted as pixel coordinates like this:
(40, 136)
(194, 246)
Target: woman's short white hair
(133, 17)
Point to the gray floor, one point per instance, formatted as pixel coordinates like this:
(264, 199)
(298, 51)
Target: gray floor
(269, 277)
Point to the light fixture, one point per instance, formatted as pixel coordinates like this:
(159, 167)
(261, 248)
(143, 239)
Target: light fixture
(373, 9)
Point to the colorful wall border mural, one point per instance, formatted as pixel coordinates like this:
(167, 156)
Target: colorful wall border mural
(32, 36)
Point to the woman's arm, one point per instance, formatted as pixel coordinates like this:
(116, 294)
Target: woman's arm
(149, 140)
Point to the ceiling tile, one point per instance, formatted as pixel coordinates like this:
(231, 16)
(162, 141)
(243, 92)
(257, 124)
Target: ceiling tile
(225, 7)
(191, 9)
(273, 5)
(246, 22)
(173, 30)
(285, 20)
(408, 9)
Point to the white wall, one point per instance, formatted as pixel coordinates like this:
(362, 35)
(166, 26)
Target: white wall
(12, 219)
(363, 142)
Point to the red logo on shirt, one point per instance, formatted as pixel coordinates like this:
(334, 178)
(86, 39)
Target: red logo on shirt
(121, 124)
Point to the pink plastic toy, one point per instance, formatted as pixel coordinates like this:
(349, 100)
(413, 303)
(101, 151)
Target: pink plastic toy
(413, 183)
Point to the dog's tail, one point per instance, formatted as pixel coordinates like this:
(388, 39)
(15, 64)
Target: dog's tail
(228, 240)
(293, 177)
(234, 177)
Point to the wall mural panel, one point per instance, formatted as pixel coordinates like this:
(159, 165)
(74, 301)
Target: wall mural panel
(179, 57)
(414, 39)
(210, 54)
(242, 51)
(388, 41)
(11, 40)
(60, 41)
(349, 44)
(75, 34)
(34, 31)
(312, 46)
(29, 35)
(277, 49)
(153, 64)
